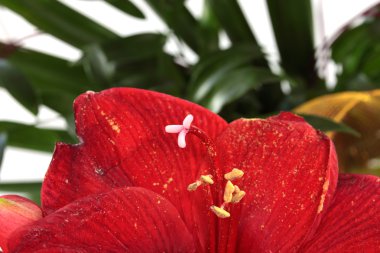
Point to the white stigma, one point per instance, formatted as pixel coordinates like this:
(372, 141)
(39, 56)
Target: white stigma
(181, 130)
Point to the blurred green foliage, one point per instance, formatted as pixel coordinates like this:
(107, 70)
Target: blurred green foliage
(234, 82)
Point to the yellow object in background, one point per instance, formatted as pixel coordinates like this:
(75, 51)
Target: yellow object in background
(360, 111)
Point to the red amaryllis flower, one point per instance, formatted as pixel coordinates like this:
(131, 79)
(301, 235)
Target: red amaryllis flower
(249, 186)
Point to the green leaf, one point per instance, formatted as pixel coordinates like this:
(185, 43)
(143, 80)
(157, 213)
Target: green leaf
(49, 73)
(233, 21)
(247, 106)
(235, 84)
(29, 190)
(60, 21)
(349, 49)
(178, 18)
(171, 74)
(59, 102)
(119, 63)
(371, 63)
(325, 124)
(159, 74)
(209, 28)
(3, 143)
(31, 137)
(347, 42)
(357, 50)
(133, 48)
(293, 29)
(115, 60)
(18, 86)
(213, 67)
(97, 67)
(128, 7)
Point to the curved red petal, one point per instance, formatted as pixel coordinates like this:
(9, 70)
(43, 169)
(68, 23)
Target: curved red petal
(15, 212)
(352, 222)
(123, 220)
(290, 176)
(124, 143)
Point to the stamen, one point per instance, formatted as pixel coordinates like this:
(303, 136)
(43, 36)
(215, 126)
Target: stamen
(220, 212)
(192, 187)
(204, 179)
(228, 190)
(237, 196)
(234, 174)
(207, 179)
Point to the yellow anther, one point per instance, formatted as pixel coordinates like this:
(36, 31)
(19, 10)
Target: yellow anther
(234, 174)
(194, 186)
(204, 179)
(237, 196)
(220, 212)
(237, 189)
(207, 179)
(228, 190)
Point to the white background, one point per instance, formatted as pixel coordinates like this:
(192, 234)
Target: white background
(26, 165)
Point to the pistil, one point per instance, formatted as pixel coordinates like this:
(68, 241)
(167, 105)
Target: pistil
(209, 145)
(232, 193)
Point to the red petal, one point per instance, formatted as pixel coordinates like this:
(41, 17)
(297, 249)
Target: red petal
(125, 143)
(352, 222)
(122, 220)
(290, 176)
(15, 212)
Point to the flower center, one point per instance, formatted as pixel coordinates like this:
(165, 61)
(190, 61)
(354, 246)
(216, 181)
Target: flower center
(232, 193)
